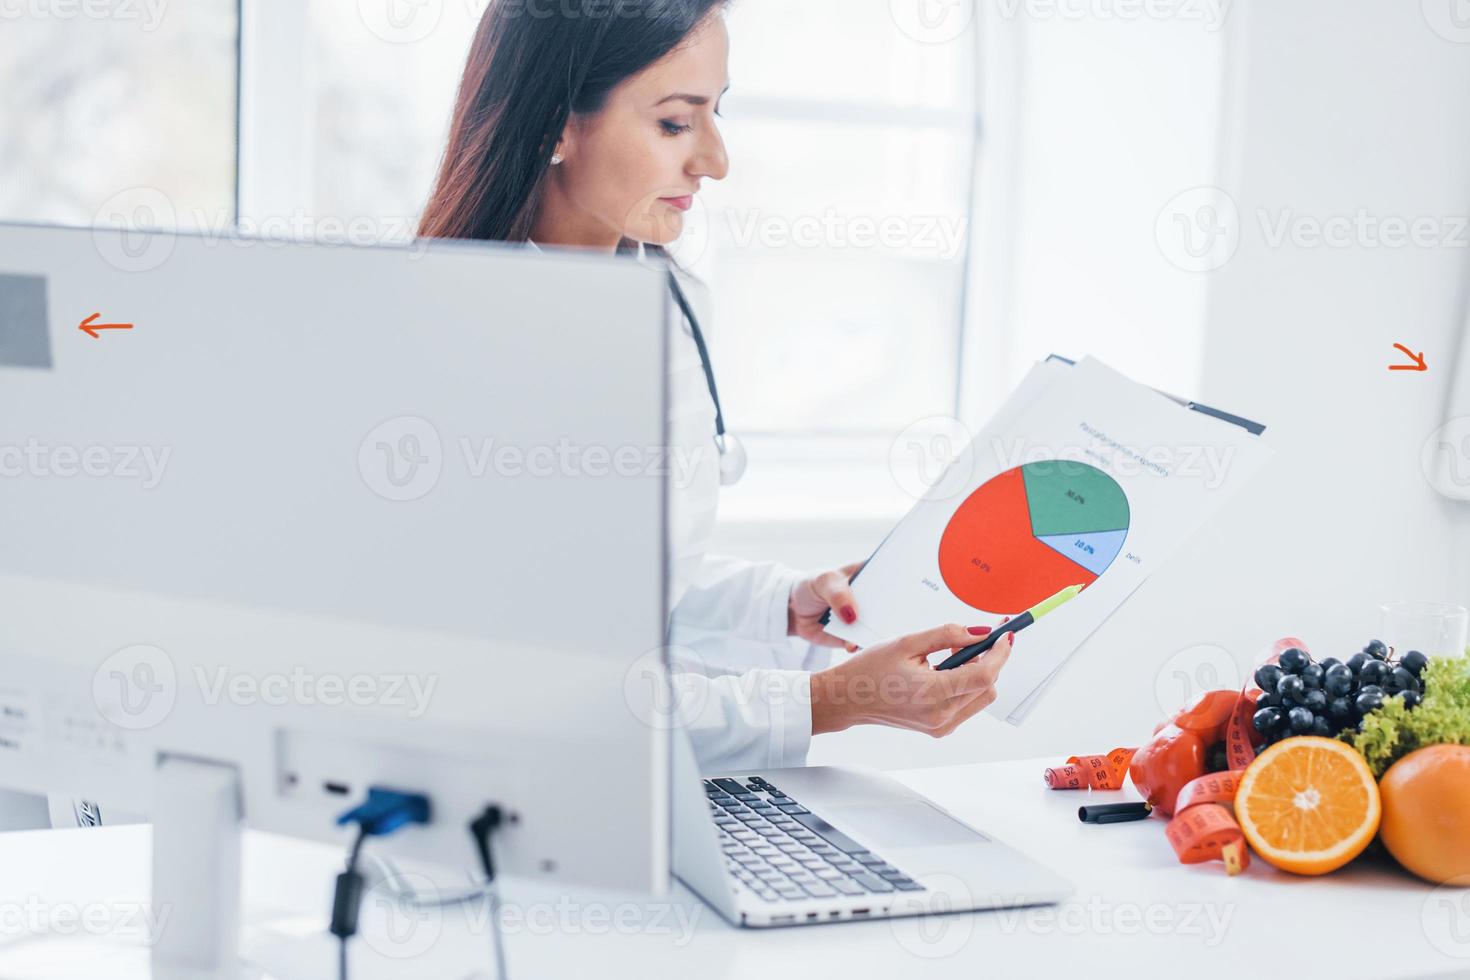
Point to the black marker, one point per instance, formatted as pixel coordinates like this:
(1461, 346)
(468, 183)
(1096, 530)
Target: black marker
(1113, 812)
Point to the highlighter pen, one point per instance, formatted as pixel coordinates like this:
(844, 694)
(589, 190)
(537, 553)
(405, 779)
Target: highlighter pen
(1014, 626)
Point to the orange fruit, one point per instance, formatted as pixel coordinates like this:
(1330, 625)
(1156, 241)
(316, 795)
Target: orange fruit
(1308, 805)
(1426, 812)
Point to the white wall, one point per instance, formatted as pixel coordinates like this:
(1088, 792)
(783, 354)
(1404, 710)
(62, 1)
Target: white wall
(1345, 106)
(1331, 106)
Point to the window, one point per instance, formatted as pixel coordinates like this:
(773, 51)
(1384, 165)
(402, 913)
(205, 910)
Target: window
(378, 97)
(836, 248)
(119, 113)
(1105, 149)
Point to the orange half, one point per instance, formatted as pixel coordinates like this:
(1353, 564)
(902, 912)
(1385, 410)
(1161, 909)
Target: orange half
(1308, 805)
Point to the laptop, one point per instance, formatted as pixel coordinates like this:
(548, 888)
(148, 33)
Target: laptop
(788, 847)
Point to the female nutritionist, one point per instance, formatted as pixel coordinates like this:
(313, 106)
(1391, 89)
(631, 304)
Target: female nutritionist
(591, 124)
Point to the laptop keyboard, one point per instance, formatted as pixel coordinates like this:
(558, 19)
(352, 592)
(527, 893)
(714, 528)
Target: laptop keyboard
(780, 850)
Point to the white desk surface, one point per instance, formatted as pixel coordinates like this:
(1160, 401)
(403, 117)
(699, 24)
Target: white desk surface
(1136, 912)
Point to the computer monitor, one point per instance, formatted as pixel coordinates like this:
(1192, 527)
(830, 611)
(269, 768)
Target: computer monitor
(281, 522)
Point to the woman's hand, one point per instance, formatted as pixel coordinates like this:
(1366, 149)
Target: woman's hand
(810, 601)
(892, 684)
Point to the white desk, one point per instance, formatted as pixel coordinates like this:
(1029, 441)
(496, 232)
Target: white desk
(1136, 912)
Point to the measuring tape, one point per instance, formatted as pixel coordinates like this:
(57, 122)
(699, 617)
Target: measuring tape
(1203, 827)
(1092, 771)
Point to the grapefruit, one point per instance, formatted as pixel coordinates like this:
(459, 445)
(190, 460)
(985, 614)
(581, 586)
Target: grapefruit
(1426, 812)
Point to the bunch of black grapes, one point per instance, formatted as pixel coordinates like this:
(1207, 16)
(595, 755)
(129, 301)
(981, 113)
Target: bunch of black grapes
(1305, 697)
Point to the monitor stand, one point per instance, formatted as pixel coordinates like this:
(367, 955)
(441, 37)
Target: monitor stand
(197, 831)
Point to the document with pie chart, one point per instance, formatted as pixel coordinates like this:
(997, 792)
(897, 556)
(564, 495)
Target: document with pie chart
(1083, 477)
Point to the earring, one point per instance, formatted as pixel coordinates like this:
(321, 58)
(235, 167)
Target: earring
(556, 159)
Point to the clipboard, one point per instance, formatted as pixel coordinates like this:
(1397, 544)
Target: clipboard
(1254, 428)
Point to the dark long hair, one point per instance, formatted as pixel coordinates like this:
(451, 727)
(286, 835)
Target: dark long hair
(532, 64)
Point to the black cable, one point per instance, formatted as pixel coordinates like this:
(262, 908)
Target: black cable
(346, 902)
(385, 811)
(352, 855)
(480, 829)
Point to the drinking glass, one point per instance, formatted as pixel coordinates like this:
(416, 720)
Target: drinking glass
(1436, 629)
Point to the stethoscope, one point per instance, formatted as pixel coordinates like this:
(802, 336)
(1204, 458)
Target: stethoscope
(732, 451)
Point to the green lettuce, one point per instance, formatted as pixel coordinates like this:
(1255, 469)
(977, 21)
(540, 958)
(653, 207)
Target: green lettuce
(1443, 717)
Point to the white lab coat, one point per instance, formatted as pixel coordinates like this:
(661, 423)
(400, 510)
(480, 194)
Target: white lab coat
(744, 691)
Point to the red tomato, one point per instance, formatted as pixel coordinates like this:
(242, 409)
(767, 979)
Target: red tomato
(1208, 715)
(1160, 769)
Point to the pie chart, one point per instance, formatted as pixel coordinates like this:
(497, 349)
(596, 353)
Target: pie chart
(1030, 532)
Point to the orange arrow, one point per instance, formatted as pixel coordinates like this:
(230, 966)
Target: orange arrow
(90, 328)
(1418, 360)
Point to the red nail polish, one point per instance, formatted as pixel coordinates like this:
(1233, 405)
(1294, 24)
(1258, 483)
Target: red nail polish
(979, 630)
(849, 615)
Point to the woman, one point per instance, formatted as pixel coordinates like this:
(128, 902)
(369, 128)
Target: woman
(591, 124)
